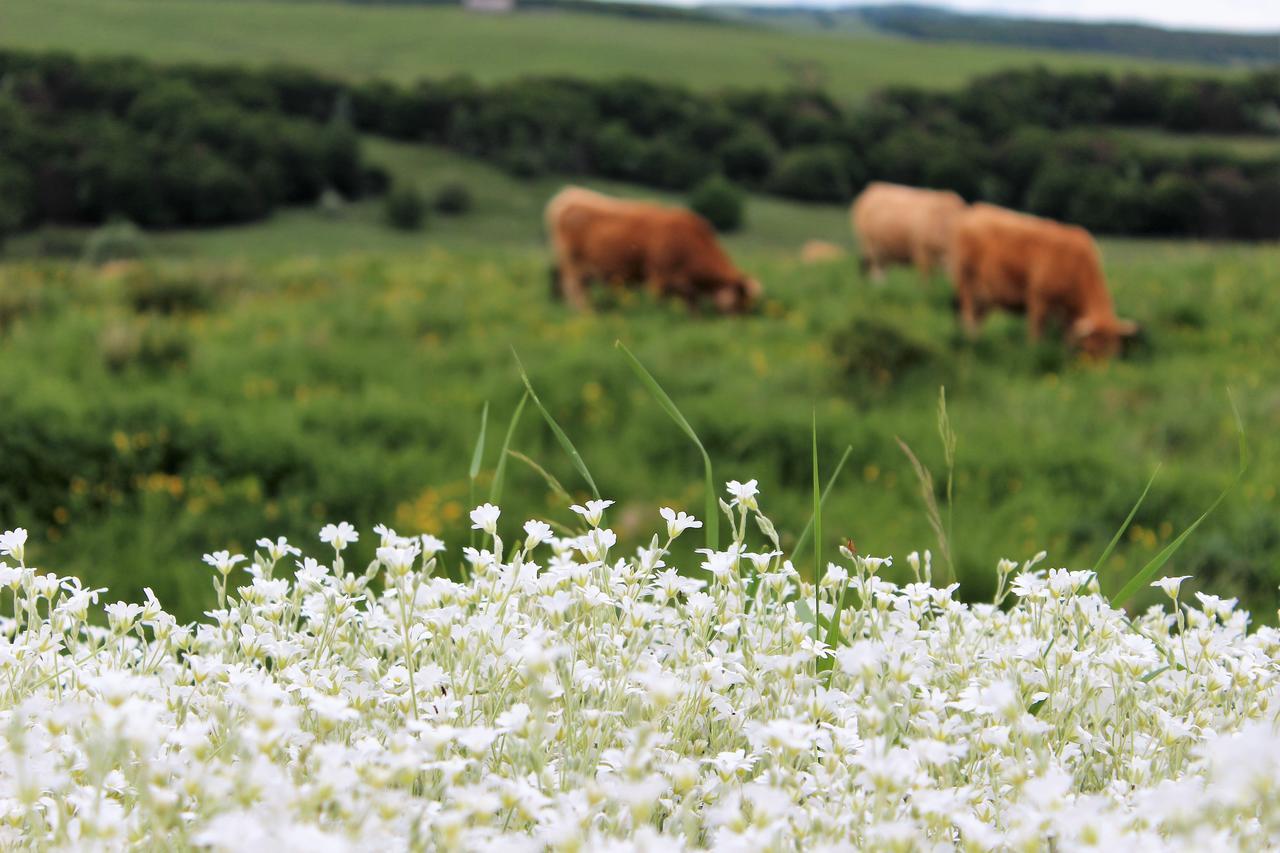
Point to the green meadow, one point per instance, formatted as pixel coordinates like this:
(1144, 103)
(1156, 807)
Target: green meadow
(407, 43)
(319, 366)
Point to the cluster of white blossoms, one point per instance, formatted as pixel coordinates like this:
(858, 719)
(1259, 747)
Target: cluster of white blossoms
(558, 695)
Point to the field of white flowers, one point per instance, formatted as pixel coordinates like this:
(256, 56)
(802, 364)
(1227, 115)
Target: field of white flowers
(554, 694)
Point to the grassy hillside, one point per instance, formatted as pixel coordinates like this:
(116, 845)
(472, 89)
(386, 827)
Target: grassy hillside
(406, 43)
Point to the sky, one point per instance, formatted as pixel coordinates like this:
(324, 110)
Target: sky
(1233, 15)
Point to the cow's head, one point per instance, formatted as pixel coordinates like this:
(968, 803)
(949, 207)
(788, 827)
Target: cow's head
(1101, 338)
(738, 296)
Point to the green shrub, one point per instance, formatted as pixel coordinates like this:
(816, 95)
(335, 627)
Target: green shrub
(453, 199)
(405, 208)
(115, 241)
(720, 202)
(812, 173)
(748, 156)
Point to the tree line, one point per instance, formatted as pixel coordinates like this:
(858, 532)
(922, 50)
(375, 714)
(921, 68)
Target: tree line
(81, 140)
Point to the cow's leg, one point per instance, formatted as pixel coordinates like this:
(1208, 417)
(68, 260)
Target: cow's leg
(971, 312)
(871, 266)
(1037, 309)
(922, 260)
(573, 287)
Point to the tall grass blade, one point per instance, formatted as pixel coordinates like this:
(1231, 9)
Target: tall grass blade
(808, 528)
(574, 456)
(500, 471)
(948, 436)
(930, 506)
(817, 525)
(711, 516)
(1115, 540)
(552, 483)
(1147, 572)
(477, 457)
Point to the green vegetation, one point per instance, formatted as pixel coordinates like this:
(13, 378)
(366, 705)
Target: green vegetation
(157, 408)
(720, 202)
(167, 391)
(213, 144)
(409, 43)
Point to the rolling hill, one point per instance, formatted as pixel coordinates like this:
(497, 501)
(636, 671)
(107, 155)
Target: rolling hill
(409, 42)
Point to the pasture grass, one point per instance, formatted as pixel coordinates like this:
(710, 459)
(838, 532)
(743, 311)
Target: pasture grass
(147, 411)
(407, 43)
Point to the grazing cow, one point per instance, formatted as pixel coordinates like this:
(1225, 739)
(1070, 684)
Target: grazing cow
(903, 225)
(1003, 259)
(670, 250)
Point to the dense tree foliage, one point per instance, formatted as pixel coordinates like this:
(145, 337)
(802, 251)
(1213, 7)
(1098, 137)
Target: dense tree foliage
(88, 140)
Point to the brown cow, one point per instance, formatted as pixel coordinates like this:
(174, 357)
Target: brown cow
(1003, 259)
(903, 225)
(670, 250)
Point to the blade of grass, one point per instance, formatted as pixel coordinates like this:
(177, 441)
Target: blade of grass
(552, 483)
(930, 505)
(477, 457)
(817, 525)
(808, 528)
(1144, 575)
(574, 456)
(1115, 540)
(948, 436)
(711, 516)
(500, 471)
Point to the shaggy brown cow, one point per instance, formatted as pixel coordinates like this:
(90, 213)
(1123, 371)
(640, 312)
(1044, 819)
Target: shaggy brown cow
(903, 225)
(1003, 259)
(670, 250)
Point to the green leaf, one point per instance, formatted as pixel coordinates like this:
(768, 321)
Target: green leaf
(711, 517)
(500, 472)
(1144, 575)
(804, 614)
(808, 528)
(1153, 673)
(574, 456)
(478, 455)
(1111, 546)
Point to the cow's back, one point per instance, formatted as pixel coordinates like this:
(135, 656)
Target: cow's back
(1004, 252)
(893, 220)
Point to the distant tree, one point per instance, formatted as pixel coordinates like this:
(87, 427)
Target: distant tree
(812, 173)
(720, 202)
(405, 209)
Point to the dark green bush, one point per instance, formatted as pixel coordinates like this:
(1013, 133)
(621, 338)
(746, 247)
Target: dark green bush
(84, 141)
(814, 173)
(405, 208)
(720, 202)
(453, 199)
(748, 156)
